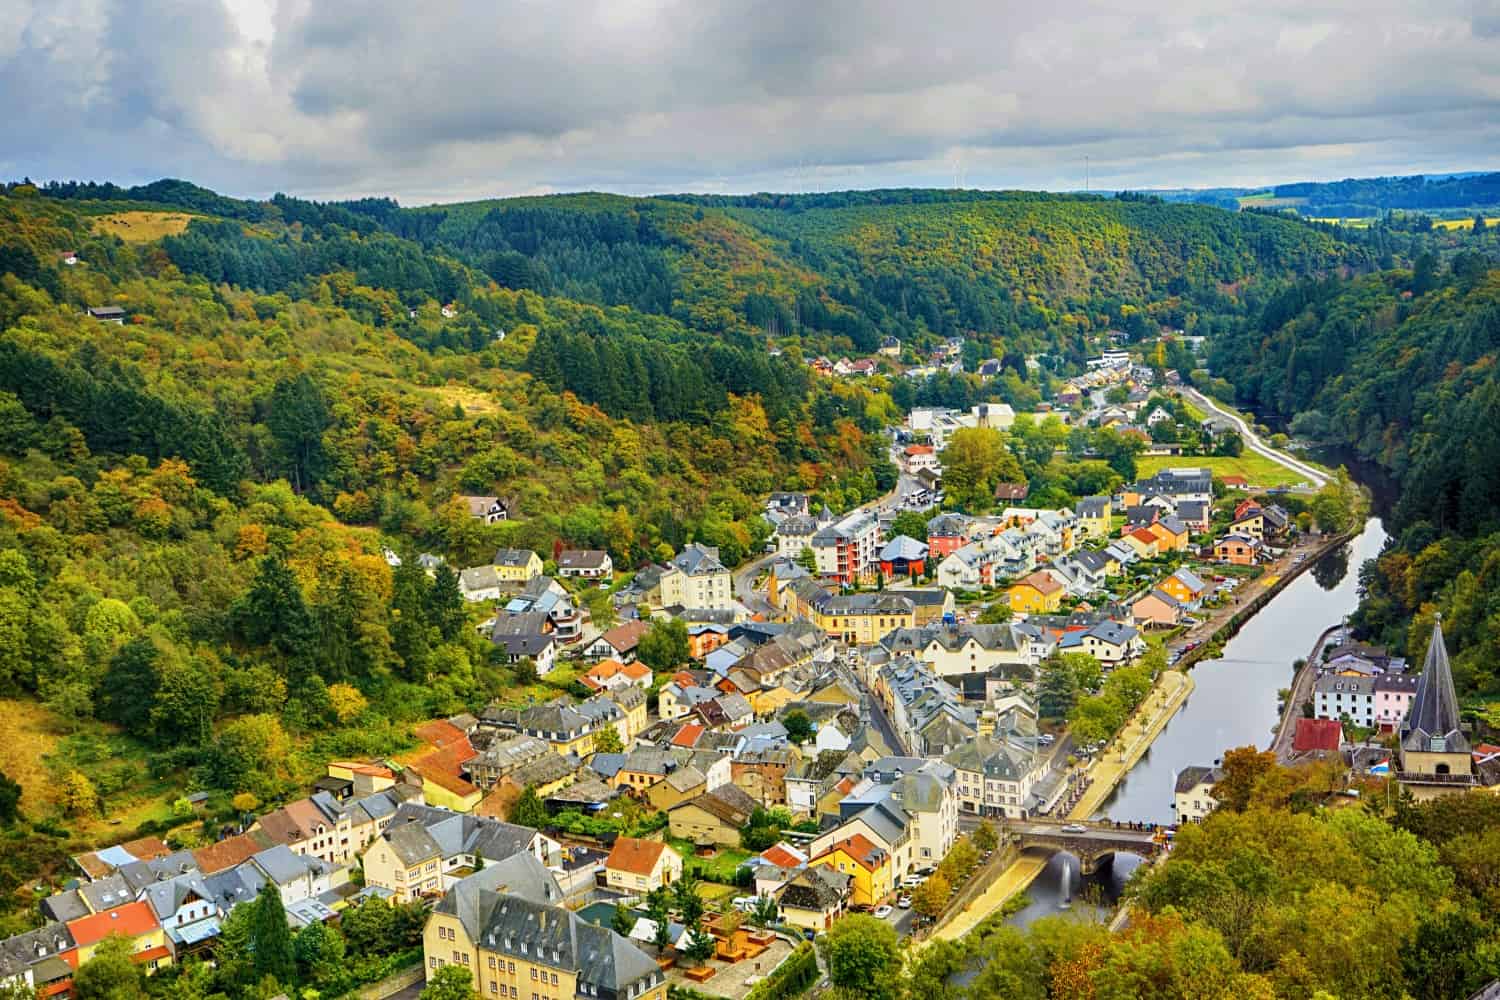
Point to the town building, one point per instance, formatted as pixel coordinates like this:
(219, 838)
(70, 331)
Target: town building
(1193, 794)
(1435, 752)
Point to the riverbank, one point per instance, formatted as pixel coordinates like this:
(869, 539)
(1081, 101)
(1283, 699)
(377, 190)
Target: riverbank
(1301, 691)
(1011, 882)
(1170, 692)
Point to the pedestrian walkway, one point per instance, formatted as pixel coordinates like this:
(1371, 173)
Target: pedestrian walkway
(1013, 880)
(1116, 760)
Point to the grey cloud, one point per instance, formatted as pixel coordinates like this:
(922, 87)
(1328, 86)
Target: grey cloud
(443, 99)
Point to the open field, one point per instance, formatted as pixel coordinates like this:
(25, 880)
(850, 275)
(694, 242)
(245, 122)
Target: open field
(1257, 469)
(474, 402)
(142, 227)
(1266, 199)
(1464, 223)
(26, 737)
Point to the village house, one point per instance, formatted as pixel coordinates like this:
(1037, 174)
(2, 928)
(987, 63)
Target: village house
(335, 832)
(620, 642)
(504, 756)
(490, 510)
(1171, 534)
(1158, 609)
(1193, 794)
(425, 850)
(1393, 698)
(696, 579)
(636, 866)
(585, 564)
(903, 557)
(846, 549)
(946, 534)
(868, 866)
(517, 565)
(611, 675)
(1093, 517)
(1184, 587)
(714, 817)
(1038, 593)
(1237, 550)
(479, 583)
(814, 898)
(995, 775)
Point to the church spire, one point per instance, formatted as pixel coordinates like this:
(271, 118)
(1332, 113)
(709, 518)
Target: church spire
(1432, 722)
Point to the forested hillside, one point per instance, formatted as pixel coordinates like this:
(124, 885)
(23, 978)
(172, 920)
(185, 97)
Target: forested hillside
(1399, 368)
(1022, 271)
(194, 503)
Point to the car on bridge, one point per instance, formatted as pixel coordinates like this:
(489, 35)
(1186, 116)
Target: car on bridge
(1075, 828)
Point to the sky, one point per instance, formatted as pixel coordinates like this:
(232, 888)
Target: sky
(443, 101)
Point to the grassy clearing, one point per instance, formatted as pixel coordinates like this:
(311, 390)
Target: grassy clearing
(719, 868)
(474, 402)
(1257, 469)
(142, 227)
(27, 736)
(1464, 223)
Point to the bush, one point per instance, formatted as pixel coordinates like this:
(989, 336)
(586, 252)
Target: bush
(791, 978)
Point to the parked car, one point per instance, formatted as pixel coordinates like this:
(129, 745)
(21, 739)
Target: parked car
(882, 911)
(912, 881)
(904, 902)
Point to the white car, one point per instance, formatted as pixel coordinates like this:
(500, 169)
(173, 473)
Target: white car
(881, 912)
(912, 881)
(904, 902)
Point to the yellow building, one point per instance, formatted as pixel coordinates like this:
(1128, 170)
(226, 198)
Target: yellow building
(872, 879)
(632, 702)
(133, 921)
(1093, 517)
(1035, 594)
(517, 565)
(1436, 757)
(518, 947)
(1171, 534)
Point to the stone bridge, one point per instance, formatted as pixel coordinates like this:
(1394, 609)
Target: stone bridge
(1093, 844)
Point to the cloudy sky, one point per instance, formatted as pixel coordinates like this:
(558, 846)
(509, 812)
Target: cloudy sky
(438, 100)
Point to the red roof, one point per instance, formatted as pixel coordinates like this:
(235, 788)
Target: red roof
(631, 854)
(1318, 734)
(131, 920)
(780, 856)
(1144, 535)
(861, 850)
(919, 449)
(688, 735)
(1041, 582)
(440, 733)
(1235, 480)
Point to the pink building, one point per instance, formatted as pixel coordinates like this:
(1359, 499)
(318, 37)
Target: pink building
(1393, 695)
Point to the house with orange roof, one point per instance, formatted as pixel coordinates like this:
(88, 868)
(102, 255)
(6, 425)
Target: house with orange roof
(638, 866)
(136, 922)
(440, 771)
(1038, 593)
(687, 737)
(867, 865)
(611, 675)
(1143, 542)
(227, 853)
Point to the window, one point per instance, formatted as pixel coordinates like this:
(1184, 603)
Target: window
(432, 963)
(494, 987)
(533, 975)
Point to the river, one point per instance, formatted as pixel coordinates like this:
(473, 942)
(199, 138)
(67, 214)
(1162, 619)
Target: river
(1232, 705)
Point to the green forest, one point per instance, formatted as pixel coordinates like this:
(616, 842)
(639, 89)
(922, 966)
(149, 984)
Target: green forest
(1397, 369)
(197, 503)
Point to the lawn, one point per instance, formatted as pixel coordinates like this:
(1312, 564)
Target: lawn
(142, 227)
(26, 737)
(719, 868)
(1463, 223)
(1257, 469)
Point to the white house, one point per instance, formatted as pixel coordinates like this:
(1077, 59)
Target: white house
(1193, 796)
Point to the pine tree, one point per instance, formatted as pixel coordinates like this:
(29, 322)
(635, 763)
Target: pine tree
(271, 938)
(445, 604)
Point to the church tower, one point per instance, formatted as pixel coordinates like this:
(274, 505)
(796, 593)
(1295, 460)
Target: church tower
(1435, 757)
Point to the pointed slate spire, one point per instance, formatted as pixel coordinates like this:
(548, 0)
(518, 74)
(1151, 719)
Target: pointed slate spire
(1432, 722)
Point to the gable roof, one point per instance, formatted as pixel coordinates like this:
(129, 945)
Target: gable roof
(1194, 775)
(581, 559)
(861, 850)
(1041, 582)
(131, 920)
(728, 803)
(513, 557)
(1318, 734)
(631, 854)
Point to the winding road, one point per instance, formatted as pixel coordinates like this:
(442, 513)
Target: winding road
(1254, 442)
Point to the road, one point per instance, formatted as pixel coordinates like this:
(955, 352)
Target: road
(1302, 687)
(1254, 442)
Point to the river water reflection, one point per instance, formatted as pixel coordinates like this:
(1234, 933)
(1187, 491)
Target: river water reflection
(1232, 705)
